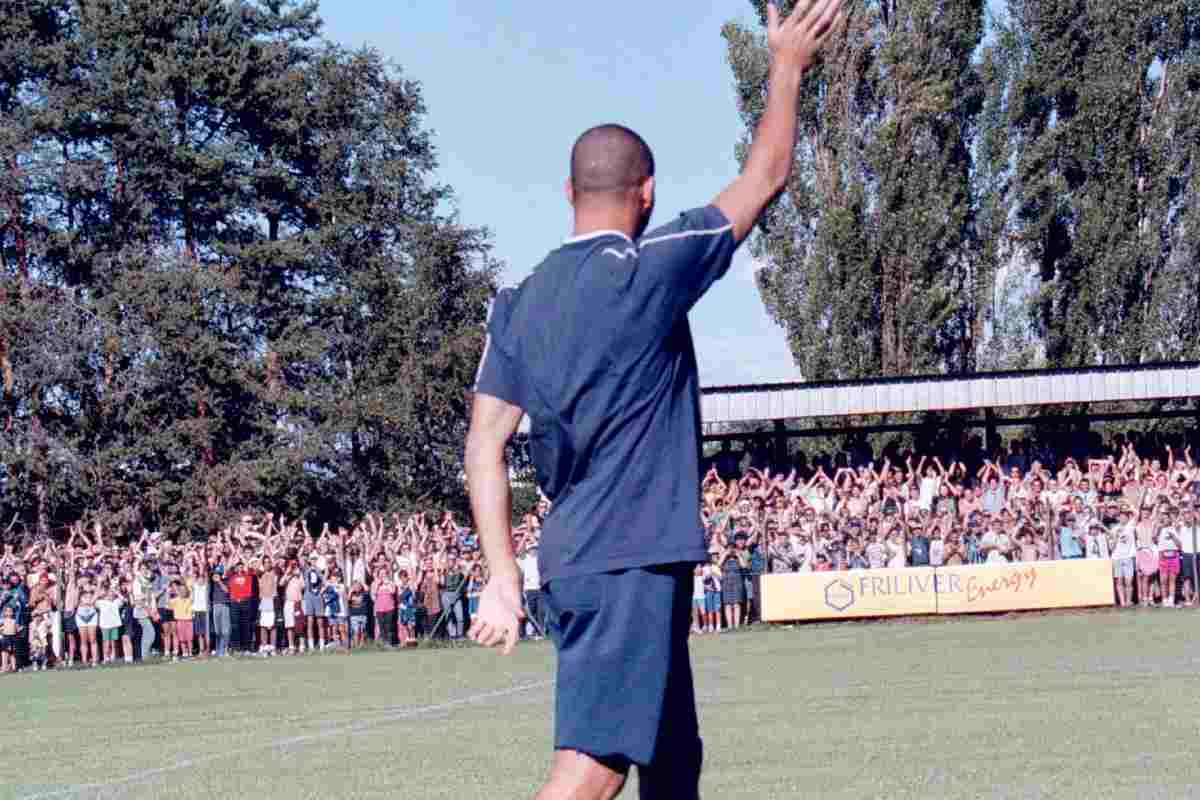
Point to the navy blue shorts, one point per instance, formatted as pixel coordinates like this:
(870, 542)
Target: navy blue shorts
(624, 684)
(1188, 568)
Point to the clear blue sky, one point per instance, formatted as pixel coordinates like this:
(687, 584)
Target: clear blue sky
(509, 85)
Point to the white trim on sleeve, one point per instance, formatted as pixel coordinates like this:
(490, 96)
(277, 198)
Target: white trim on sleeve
(685, 234)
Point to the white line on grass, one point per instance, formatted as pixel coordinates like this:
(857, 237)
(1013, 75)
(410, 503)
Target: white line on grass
(188, 763)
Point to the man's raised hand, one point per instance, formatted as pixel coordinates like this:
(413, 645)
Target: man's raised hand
(800, 36)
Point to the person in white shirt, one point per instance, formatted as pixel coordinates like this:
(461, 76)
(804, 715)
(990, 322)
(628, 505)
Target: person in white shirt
(897, 550)
(406, 561)
(805, 554)
(937, 549)
(876, 553)
(198, 584)
(929, 489)
(533, 593)
(1095, 542)
(698, 599)
(1123, 552)
(995, 543)
(1168, 562)
(109, 606)
(1189, 531)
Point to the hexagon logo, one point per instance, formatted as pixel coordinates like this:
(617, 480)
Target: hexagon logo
(839, 595)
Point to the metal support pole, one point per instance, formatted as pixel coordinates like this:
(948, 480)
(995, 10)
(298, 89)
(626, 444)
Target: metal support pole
(990, 438)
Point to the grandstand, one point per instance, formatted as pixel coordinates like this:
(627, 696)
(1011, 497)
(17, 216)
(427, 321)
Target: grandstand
(1081, 389)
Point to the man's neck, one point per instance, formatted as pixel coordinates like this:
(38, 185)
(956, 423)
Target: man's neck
(589, 221)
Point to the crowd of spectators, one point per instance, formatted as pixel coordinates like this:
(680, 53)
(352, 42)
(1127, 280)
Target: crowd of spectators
(1136, 506)
(265, 587)
(268, 586)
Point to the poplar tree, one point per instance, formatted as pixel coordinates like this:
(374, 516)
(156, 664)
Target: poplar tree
(1103, 112)
(872, 258)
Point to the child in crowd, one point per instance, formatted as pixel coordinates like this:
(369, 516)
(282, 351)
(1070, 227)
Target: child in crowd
(181, 610)
(166, 616)
(124, 597)
(712, 597)
(359, 602)
(698, 599)
(333, 598)
(407, 604)
(87, 620)
(10, 631)
(198, 583)
(475, 584)
(293, 609)
(109, 607)
(39, 640)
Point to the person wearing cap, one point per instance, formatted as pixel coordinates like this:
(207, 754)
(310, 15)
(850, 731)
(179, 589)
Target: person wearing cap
(1124, 552)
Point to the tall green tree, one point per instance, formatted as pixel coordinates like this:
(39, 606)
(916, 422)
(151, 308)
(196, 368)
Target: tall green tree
(225, 270)
(872, 258)
(1102, 101)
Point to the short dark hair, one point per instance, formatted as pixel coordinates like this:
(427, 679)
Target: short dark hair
(608, 159)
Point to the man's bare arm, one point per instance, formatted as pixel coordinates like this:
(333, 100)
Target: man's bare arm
(794, 43)
(493, 422)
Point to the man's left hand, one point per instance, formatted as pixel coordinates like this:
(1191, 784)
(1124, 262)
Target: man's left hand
(498, 621)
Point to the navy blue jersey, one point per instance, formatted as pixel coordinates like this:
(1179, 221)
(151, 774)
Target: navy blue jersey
(595, 347)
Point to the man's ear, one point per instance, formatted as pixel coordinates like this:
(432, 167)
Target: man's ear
(569, 189)
(647, 193)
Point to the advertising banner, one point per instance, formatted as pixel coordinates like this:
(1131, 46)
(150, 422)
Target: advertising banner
(847, 595)
(943, 590)
(1073, 583)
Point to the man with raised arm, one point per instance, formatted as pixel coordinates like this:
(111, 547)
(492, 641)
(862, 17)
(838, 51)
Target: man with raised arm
(595, 348)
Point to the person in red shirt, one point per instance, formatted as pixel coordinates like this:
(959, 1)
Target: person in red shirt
(242, 606)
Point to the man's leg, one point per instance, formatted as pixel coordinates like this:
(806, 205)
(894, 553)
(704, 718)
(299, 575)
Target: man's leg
(577, 776)
(674, 772)
(623, 688)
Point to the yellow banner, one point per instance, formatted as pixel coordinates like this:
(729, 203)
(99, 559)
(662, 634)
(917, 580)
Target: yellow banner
(1073, 583)
(847, 595)
(942, 590)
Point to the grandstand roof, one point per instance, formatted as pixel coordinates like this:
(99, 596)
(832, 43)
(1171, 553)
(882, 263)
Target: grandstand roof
(756, 402)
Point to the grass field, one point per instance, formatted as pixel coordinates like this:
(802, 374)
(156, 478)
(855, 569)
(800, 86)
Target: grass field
(1070, 705)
